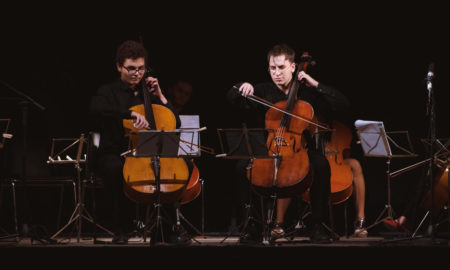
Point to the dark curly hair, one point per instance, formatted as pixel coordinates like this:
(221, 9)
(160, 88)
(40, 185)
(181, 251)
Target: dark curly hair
(130, 49)
(282, 49)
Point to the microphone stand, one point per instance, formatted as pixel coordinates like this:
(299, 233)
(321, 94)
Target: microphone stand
(24, 104)
(432, 139)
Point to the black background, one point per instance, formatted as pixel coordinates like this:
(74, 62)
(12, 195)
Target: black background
(376, 55)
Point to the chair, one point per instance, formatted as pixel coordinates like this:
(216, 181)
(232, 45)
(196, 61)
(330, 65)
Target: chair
(47, 182)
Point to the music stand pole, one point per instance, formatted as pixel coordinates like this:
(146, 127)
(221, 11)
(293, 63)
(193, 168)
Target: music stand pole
(158, 224)
(388, 207)
(202, 183)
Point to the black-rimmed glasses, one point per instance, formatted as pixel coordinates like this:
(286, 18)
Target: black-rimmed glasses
(132, 69)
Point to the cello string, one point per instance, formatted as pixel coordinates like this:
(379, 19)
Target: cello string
(288, 113)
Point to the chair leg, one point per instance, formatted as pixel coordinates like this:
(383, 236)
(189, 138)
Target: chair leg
(346, 220)
(61, 198)
(13, 186)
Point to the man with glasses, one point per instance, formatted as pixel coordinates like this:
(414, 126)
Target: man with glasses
(109, 106)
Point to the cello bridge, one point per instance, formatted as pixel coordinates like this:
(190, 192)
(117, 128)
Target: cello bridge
(280, 141)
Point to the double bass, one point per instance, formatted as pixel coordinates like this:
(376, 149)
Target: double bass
(139, 172)
(289, 170)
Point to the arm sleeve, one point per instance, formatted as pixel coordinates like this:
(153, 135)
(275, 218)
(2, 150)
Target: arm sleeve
(335, 98)
(101, 105)
(237, 101)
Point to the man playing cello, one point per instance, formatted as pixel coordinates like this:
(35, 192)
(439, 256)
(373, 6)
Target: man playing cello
(325, 101)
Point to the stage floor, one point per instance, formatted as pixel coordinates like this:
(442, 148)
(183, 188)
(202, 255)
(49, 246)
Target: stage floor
(219, 250)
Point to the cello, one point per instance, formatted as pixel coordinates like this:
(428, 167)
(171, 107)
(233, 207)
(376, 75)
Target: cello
(335, 149)
(440, 187)
(289, 170)
(139, 172)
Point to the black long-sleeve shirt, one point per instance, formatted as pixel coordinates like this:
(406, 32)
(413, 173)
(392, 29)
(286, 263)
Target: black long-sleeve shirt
(109, 107)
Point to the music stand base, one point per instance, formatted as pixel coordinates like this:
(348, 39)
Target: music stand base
(78, 215)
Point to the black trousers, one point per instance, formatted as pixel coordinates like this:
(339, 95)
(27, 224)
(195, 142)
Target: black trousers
(110, 168)
(321, 187)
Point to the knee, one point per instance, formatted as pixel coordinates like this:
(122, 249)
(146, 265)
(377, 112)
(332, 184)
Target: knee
(354, 165)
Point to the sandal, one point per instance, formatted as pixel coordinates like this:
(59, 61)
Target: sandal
(277, 230)
(360, 228)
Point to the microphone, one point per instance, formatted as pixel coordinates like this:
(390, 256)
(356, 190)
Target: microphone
(430, 76)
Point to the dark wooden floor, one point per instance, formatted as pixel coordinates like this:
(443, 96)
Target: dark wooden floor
(211, 251)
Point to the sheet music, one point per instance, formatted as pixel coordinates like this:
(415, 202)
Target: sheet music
(189, 140)
(373, 138)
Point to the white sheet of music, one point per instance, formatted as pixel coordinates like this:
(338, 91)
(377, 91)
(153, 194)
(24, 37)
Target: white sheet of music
(190, 139)
(373, 138)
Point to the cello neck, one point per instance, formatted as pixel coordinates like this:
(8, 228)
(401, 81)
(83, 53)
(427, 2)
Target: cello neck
(149, 116)
(295, 85)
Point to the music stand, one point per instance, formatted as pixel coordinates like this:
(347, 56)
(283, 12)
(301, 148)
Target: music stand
(246, 144)
(80, 211)
(376, 142)
(4, 127)
(156, 144)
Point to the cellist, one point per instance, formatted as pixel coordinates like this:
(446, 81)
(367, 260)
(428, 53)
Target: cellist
(324, 100)
(109, 106)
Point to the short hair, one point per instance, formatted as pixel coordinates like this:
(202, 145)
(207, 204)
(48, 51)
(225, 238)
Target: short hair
(282, 49)
(130, 49)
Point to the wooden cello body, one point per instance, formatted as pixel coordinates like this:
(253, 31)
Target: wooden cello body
(139, 175)
(287, 174)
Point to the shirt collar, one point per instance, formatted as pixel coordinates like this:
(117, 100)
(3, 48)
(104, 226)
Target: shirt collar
(126, 88)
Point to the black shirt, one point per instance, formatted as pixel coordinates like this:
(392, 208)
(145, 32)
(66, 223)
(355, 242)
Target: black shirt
(109, 107)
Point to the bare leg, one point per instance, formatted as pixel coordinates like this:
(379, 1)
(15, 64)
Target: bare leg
(359, 186)
(360, 193)
(282, 206)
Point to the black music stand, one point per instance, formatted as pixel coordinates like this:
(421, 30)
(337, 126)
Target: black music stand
(4, 125)
(247, 144)
(158, 144)
(376, 142)
(80, 211)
